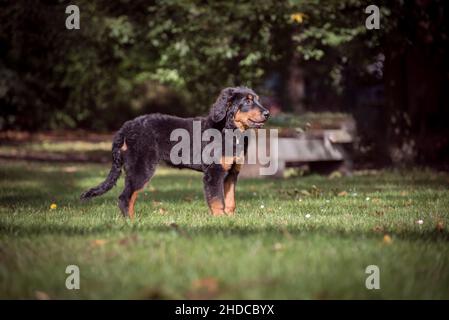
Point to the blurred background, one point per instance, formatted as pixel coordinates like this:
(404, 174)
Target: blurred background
(313, 61)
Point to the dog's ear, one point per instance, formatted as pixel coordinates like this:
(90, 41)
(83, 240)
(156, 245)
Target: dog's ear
(218, 110)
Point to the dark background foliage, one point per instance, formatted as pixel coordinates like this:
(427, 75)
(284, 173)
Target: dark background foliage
(136, 57)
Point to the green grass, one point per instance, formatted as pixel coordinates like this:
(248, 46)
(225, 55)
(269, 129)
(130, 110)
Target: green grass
(62, 150)
(174, 249)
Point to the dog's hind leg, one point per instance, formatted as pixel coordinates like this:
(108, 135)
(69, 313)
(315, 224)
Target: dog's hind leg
(135, 181)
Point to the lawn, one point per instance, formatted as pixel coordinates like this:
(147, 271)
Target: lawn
(297, 238)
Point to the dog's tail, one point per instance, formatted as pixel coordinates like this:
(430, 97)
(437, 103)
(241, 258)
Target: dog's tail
(115, 171)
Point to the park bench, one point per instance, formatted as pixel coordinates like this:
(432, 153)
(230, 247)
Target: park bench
(323, 150)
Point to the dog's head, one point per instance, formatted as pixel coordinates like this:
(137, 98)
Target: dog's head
(240, 108)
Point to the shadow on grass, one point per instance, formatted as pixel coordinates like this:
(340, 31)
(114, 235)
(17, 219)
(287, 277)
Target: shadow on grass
(211, 231)
(33, 187)
(27, 185)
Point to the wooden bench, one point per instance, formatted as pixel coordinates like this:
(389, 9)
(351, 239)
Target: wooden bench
(323, 150)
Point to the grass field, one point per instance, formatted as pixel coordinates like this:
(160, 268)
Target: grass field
(298, 238)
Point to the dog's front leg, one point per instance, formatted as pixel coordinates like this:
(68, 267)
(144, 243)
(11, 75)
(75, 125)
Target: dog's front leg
(213, 189)
(229, 189)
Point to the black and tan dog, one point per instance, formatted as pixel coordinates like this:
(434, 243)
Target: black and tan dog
(142, 143)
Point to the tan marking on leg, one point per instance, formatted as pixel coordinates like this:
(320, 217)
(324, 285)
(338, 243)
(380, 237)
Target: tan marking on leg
(124, 146)
(229, 191)
(226, 163)
(131, 204)
(133, 200)
(216, 207)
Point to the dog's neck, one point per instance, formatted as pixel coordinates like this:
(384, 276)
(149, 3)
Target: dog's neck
(210, 124)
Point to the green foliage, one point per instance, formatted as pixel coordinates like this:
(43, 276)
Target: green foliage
(115, 65)
(191, 47)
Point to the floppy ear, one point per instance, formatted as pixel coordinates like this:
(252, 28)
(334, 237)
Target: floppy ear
(218, 110)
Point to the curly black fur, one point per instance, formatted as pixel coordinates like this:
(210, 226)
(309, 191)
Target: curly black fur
(115, 171)
(145, 141)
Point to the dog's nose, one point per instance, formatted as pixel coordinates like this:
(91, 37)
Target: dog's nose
(266, 114)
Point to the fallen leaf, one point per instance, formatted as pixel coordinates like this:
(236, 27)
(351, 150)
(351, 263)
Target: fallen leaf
(315, 190)
(205, 288)
(335, 175)
(378, 229)
(440, 226)
(129, 240)
(153, 294)
(98, 242)
(41, 295)
(387, 239)
(342, 194)
(70, 169)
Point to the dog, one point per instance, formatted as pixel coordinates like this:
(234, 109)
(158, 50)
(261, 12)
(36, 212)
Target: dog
(142, 143)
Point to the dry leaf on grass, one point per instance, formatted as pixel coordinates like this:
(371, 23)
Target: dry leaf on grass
(133, 239)
(70, 169)
(98, 242)
(41, 295)
(342, 194)
(153, 294)
(387, 239)
(335, 175)
(440, 226)
(204, 288)
(378, 229)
